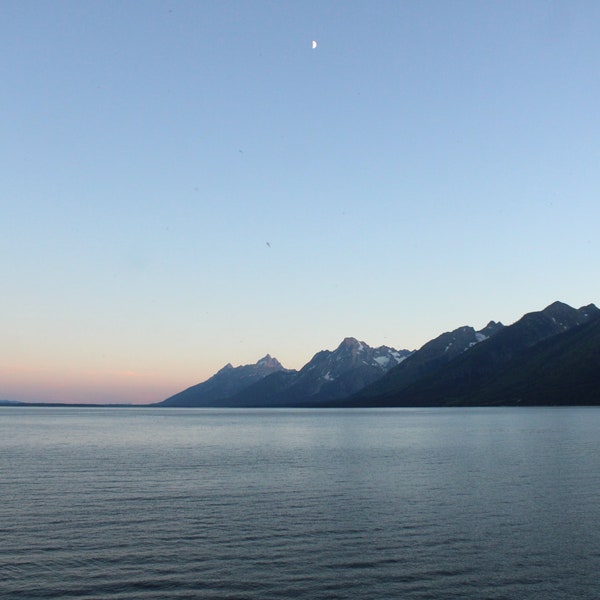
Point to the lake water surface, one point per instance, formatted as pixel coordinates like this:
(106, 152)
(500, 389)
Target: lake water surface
(258, 504)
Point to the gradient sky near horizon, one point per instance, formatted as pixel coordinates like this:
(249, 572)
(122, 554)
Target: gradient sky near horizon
(187, 184)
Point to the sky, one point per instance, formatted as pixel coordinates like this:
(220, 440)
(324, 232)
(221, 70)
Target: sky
(187, 184)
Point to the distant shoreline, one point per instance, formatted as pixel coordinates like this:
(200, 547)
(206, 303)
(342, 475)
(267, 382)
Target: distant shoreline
(294, 407)
(65, 405)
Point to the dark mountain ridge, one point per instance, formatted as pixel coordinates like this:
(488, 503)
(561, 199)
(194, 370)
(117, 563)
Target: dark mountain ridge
(561, 370)
(506, 368)
(430, 357)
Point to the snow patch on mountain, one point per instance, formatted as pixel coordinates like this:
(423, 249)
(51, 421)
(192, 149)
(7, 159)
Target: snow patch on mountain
(382, 361)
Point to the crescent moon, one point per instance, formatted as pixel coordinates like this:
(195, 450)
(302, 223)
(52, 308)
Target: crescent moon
(314, 44)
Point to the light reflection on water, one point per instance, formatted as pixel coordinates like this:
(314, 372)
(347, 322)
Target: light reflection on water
(178, 503)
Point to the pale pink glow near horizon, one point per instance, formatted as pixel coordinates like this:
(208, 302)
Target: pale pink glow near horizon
(85, 387)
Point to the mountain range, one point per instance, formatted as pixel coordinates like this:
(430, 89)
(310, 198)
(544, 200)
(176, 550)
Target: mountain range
(547, 357)
(328, 376)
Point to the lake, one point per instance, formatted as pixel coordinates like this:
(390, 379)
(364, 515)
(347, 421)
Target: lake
(103, 503)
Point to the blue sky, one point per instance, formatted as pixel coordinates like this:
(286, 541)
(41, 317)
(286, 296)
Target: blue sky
(187, 184)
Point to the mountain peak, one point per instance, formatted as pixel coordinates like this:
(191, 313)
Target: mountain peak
(269, 361)
(225, 383)
(350, 342)
(489, 330)
(560, 308)
(557, 306)
(589, 310)
(562, 316)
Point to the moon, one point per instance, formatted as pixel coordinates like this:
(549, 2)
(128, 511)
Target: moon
(314, 44)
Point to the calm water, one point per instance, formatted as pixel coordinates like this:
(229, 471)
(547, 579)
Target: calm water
(411, 504)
